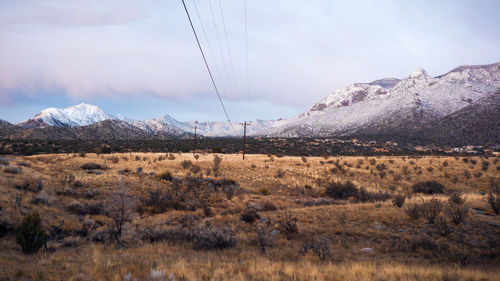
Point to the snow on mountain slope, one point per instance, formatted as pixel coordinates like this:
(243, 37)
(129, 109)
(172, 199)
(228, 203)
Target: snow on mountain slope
(208, 129)
(73, 116)
(417, 99)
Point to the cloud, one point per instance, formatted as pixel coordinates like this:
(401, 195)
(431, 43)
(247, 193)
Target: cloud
(299, 51)
(60, 13)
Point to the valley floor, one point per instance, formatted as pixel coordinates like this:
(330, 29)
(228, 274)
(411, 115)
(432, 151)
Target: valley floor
(217, 217)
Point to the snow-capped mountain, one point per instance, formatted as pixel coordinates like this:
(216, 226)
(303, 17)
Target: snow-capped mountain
(73, 116)
(392, 105)
(208, 129)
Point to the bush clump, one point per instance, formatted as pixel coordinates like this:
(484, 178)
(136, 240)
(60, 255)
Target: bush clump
(431, 209)
(12, 170)
(165, 176)
(206, 237)
(92, 166)
(398, 200)
(29, 234)
(456, 213)
(428, 187)
(249, 215)
(339, 190)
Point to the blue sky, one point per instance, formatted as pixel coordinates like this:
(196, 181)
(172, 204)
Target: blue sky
(139, 58)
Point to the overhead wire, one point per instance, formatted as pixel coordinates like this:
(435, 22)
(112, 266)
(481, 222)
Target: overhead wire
(210, 50)
(227, 43)
(230, 85)
(208, 67)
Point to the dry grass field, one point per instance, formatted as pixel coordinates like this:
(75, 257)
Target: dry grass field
(153, 216)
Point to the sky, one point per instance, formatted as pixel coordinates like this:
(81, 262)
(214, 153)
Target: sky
(139, 58)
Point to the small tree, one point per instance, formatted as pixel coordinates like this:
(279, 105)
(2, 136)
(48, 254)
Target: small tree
(29, 234)
(120, 207)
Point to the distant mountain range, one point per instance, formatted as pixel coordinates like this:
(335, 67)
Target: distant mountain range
(459, 107)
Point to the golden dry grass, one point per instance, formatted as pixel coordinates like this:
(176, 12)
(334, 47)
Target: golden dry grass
(379, 226)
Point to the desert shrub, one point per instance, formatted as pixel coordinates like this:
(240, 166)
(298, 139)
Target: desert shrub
(485, 165)
(413, 210)
(430, 169)
(120, 207)
(428, 187)
(87, 208)
(196, 156)
(114, 159)
(456, 198)
(423, 242)
(249, 215)
(473, 161)
(30, 185)
(186, 164)
(445, 163)
(264, 191)
(367, 196)
(43, 198)
(456, 213)
(319, 246)
(265, 238)
(430, 209)
(442, 226)
(279, 174)
(195, 169)
(467, 174)
(494, 198)
(29, 233)
(466, 160)
(92, 166)
(206, 237)
(380, 167)
(398, 200)
(165, 176)
(339, 190)
(216, 166)
(24, 164)
(304, 159)
(289, 225)
(478, 174)
(4, 162)
(268, 206)
(12, 170)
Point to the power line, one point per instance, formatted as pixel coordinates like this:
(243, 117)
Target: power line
(220, 47)
(206, 39)
(208, 67)
(246, 51)
(227, 43)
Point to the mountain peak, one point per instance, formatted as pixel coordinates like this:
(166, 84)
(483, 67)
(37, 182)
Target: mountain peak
(418, 73)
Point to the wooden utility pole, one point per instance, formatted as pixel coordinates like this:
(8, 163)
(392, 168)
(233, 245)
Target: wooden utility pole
(245, 124)
(194, 151)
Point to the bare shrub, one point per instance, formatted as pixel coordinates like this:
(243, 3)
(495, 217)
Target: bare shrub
(442, 226)
(249, 215)
(186, 164)
(339, 190)
(304, 159)
(165, 176)
(428, 187)
(367, 196)
(289, 225)
(279, 174)
(206, 237)
(456, 213)
(43, 197)
(265, 238)
(398, 200)
(92, 166)
(423, 242)
(413, 210)
(120, 207)
(268, 206)
(456, 198)
(12, 170)
(30, 185)
(431, 209)
(216, 166)
(494, 197)
(485, 165)
(320, 247)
